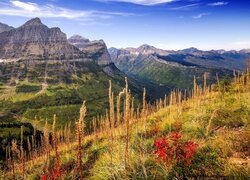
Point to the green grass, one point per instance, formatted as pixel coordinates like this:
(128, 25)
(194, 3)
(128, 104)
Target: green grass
(220, 127)
(227, 139)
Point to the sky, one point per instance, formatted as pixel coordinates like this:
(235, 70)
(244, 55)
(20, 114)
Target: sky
(166, 24)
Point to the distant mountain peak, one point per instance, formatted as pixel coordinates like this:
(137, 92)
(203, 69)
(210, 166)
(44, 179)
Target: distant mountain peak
(33, 22)
(146, 45)
(245, 51)
(146, 49)
(190, 50)
(78, 38)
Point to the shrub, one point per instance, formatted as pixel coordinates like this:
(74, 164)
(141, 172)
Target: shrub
(172, 150)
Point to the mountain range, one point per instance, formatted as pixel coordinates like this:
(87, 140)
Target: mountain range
(176, 69)
(43, 73)
(212, 59)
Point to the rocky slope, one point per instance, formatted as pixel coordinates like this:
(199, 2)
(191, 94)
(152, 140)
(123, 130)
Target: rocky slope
(4, 27)
(96, 50)
(34, 40)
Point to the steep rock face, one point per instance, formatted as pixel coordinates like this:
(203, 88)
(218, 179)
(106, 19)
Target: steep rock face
(4, 27)
(96, 50)
(34, 40)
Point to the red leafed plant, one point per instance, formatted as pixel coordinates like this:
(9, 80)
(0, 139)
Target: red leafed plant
(43, 177)
(172, 150)
(56, 172)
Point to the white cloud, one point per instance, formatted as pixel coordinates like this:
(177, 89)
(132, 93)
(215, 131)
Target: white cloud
(220, 3)
(141, 2)
(26, 6)
(28, 9)
(198, 16)
(186, 7)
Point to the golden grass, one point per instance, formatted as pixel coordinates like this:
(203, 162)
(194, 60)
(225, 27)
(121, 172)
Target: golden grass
(195, 114)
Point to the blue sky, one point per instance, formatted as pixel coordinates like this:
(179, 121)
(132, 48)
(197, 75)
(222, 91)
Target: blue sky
(167, 24)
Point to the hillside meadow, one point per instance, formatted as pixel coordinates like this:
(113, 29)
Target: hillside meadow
(203, 133)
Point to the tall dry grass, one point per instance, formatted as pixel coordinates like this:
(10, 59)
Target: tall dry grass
(117, 123)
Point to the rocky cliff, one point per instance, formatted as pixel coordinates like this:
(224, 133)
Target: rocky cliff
(34, 40)
(96, 50)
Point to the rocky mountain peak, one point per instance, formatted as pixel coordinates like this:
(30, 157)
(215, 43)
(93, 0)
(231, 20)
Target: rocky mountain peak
(190, 50)
(78, 39)
(148, 49)
(34, 40)
(5, 27)
(145, 47)
(34, 22)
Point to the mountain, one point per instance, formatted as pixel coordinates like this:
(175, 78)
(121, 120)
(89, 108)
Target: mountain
(42, 74)
(246, 51)
(35, 41)
(176, 69)
(189, 50)
(96, 50)
(5, 27)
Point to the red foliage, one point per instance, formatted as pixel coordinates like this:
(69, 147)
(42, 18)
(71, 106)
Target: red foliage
(56, 173)
(171, 149)
(53, 173)
(43, 177)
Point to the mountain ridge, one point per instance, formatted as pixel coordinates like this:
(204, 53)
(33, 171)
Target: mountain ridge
(246, 50)
(176, 69)
(34, 40)
(214, 58)
(5, 27)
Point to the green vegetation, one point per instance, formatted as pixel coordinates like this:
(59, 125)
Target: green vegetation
(203, 136)
(165, 73)
(34, 97)
(27, 88)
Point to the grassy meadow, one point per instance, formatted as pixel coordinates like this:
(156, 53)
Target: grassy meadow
(203, 133)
